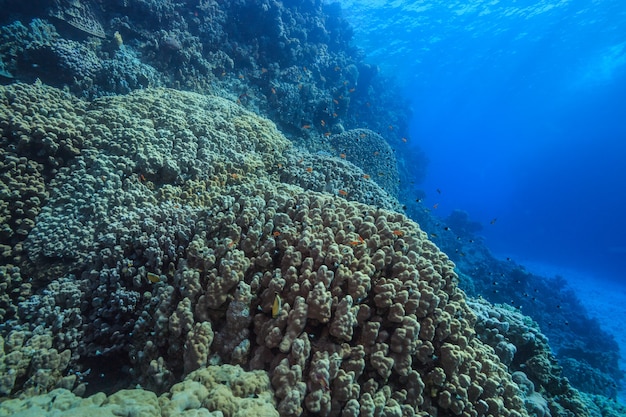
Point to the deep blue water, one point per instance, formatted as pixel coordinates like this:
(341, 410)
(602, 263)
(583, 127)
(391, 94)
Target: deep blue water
(520, 108)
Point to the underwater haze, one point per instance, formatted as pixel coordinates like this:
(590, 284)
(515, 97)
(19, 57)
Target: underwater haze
(520, 109)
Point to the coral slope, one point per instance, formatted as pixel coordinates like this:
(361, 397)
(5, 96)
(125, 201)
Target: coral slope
(166, 242)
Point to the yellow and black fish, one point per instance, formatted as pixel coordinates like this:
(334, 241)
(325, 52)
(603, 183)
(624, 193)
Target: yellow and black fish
(276, 306)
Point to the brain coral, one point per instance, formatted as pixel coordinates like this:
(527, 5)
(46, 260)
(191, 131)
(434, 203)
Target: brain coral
(186, 250)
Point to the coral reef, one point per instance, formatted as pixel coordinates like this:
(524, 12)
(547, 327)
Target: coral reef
(168, 244)
(323, 172)
(369, 151)
(163, 232)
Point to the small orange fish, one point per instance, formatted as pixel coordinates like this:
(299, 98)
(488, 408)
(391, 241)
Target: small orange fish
(241, 77)
(376, 153)
(343, 192)
(362, 135)
(263, 70)
(323, 123)
(436, 205)
(273, 90)
(342, 155)
(337, 68)
(352, 90)
(234, 176)
(493, 221)
(335, 101)
(366, 176)
(306, 126)
(142, 178)
(309, 169)
(390, 127)
(335, 114)
(405, 140)
(276, 233)
(398, 233)
(357, 242)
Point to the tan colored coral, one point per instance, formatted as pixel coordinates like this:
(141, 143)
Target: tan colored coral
(319, 301)
(290, 388)
(344, 320)
(222, 280)
(197, 346)
(318, 399)
(295, 324)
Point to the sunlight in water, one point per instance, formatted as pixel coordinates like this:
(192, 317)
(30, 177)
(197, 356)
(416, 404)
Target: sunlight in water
(602, 69)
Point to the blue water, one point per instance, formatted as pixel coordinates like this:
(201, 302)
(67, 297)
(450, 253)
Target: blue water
(520, 107)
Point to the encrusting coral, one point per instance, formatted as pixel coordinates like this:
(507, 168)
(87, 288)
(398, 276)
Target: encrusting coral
(187, 250)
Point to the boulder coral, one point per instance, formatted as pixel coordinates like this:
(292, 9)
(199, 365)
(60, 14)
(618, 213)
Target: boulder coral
(167, 211)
